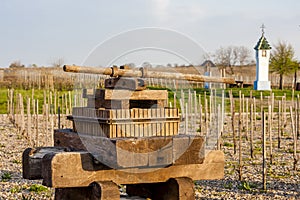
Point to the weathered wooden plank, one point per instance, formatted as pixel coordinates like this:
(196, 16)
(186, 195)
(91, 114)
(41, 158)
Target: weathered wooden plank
(105, 190)
(115, 94)
(137, 152)
(78, 193)
(136, 95)
(160, 151)
(162, 103)
(98, 190)
(167, 125)
(158, 115)
(103, 149)
(150, 125)
(132, 153)
(89, 93)
(136, 125)
(116, 130)
(69, 139)
(32, 160)
(108, 104)
(125, 83)
(118, 113)
(80, 174)
(127, 130)
(125, 104)
(141, 125)
(147, 104)
(154, 125)
(145, 125)
(188, 150)
(132, 126)
(181, 188)
(102, 114)
(113, 126)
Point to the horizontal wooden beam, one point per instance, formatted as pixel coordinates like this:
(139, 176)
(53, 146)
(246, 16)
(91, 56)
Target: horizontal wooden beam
(75, 169)
(105, 190)
(181, 188)
(32, 160)
(136, 152)
(117, 94)
(144, 73)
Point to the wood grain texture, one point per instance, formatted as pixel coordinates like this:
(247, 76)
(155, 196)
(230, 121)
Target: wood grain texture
(98, 190)
(80, 173)
(32, 161)
(69, 139)
(115, 94)
(137, 152)
(112, 123)
(181, 188)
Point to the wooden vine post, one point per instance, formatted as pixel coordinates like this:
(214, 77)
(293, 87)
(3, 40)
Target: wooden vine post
(240, 138)
(37, 123)
(29, 134)
(280, 128)
(295, 139)
(254, 110)
(270, 132)
(264, 152)
(232, 110)
(251, 130)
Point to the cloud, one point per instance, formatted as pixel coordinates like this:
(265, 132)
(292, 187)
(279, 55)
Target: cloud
(167, 12)
(160, 9)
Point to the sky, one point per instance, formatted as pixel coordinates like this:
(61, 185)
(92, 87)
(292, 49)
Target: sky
(44, 31)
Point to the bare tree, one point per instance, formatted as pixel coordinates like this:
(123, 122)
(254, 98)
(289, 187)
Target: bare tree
(221, 57)
(16, 64)
(244, 56)
(206, 56)
(226, 57)
(57, 62)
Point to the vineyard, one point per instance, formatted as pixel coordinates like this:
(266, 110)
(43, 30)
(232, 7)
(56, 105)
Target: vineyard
(259, 133)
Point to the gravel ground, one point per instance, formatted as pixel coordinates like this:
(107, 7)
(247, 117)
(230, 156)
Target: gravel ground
(13, 186)
(282, 181)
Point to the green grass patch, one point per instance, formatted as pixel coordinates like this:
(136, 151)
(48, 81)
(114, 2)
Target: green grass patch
(279, 176)
(228, 186)
(16, 189)
(198, 187)
(6, 176)
(16, 161)
(37, 188)
(244, 185)
(36, 94)
(292, 151)
(3, 101)
(228, 144)
(257, 149)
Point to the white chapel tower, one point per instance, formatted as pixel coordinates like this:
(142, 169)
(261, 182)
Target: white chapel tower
(262, 49)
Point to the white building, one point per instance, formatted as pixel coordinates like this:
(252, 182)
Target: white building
(263, 50)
